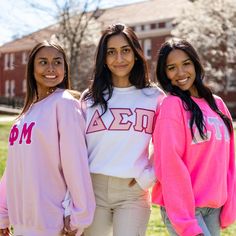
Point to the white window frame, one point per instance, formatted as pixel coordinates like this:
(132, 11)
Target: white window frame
(6, 61)
(7, 88)
(24, 58)
(12, 88)
(12, 60)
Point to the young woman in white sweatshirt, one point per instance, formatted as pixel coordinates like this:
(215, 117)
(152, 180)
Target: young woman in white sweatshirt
(119, 109)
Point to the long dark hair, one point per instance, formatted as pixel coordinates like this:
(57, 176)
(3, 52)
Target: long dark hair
(31, 85)
(102, 80)
(203, 90)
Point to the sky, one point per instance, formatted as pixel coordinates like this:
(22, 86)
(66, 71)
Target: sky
(18, 18)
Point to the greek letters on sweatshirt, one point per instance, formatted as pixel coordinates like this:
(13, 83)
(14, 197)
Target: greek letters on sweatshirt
(47, 156)
(118, 141)
(193, 172)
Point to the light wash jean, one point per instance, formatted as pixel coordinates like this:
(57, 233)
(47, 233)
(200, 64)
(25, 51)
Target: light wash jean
(208, 219)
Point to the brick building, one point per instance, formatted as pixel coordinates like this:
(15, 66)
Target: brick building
(151, 20)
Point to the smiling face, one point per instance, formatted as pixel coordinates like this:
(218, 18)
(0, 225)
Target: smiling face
(49, 69)
(181, 71)
(120, 60)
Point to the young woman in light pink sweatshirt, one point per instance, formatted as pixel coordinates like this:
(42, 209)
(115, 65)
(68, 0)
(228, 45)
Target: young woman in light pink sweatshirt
(47, 155)
(194, 154)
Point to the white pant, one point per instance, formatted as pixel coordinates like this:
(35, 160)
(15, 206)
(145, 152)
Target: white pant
(121, 210)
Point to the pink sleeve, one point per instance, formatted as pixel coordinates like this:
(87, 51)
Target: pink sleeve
(4, 220)
(228, 213)
(172, 173)
(74, 159)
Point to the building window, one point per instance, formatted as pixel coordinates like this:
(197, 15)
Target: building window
(147, 48)
(24, 58)
(7, 88)
(153, 26)
(161, 25)
(9, 60)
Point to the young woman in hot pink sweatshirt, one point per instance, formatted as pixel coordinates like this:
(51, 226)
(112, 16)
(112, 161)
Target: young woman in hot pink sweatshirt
(47, 155)
(194, 154)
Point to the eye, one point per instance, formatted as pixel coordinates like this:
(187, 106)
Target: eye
(110, 52)
(57, 62)
(42, 62)
(170, 68)
(187, 63)
(126, 50)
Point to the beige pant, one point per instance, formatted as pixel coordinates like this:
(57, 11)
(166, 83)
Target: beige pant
(121, 210)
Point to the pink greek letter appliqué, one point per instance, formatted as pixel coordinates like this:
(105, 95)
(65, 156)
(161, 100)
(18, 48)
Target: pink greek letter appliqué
(118, 122)
(96, 123)
(26, 134)
(144, 120)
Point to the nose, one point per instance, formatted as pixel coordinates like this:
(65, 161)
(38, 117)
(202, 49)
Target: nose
(180, 71)
(119, 57)
(50, 67)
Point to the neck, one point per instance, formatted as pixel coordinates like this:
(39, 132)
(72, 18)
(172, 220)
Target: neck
(121, 83)
(43, 94)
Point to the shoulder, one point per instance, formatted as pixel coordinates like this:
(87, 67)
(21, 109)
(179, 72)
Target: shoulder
(171, 108)
(172, 101)
(63, 97)
(221, 105)
(153, 92)
(218, 99)
(63, 94)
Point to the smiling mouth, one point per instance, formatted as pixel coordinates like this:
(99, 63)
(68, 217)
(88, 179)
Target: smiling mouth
(50, 76)
(120, 66)
(182, 81)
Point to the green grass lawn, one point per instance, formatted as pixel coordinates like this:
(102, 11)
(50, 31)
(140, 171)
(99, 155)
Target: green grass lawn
(155, 226)
(4, 132)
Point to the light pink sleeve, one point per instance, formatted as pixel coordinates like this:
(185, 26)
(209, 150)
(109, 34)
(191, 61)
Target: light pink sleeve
(4, 220)
(74, 159)
(169, 147)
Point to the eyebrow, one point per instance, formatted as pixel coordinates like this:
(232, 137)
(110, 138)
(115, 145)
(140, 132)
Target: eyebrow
(125, 46)
(188, 59)
(45, 58)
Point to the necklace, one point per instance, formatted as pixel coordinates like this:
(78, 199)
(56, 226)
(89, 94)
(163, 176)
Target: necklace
(50, 91)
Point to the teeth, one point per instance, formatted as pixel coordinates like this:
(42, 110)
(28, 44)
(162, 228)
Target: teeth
(50, 76)
(182, 81)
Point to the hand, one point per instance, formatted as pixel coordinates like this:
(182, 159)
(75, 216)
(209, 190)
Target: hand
(5, 232)
(67, 228)
(132, 182)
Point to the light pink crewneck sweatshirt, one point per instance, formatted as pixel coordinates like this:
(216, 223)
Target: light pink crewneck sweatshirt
(47, 156)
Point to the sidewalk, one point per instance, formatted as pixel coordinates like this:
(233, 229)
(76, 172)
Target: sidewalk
(7, 118)
(8, 110)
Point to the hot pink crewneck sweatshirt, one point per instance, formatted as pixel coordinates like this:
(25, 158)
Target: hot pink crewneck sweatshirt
(193, 173)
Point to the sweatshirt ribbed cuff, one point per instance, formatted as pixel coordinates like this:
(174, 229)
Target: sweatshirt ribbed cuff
(147, 178)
